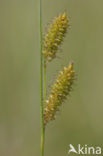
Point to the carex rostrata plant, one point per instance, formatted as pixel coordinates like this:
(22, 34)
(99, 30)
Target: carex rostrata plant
(62, 86)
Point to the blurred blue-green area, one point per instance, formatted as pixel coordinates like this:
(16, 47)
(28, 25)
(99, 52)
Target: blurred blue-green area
(80, 120)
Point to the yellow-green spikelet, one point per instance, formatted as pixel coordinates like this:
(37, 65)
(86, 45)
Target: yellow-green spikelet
(59, 92)
(54, 36)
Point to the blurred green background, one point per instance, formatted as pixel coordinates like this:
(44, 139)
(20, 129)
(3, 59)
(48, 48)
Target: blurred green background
(81, 117)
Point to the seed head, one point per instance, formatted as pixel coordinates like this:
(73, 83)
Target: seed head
(55, 34)
(60, 90)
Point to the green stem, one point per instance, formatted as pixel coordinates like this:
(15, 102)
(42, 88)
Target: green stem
(45, 67)
(41, 81)
(44, 100)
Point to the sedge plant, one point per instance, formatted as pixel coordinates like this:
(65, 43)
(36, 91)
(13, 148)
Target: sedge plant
(61, 88)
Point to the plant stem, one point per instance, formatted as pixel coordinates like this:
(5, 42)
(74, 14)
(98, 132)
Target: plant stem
(45, 67)
(42, 117)
(41, 81)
